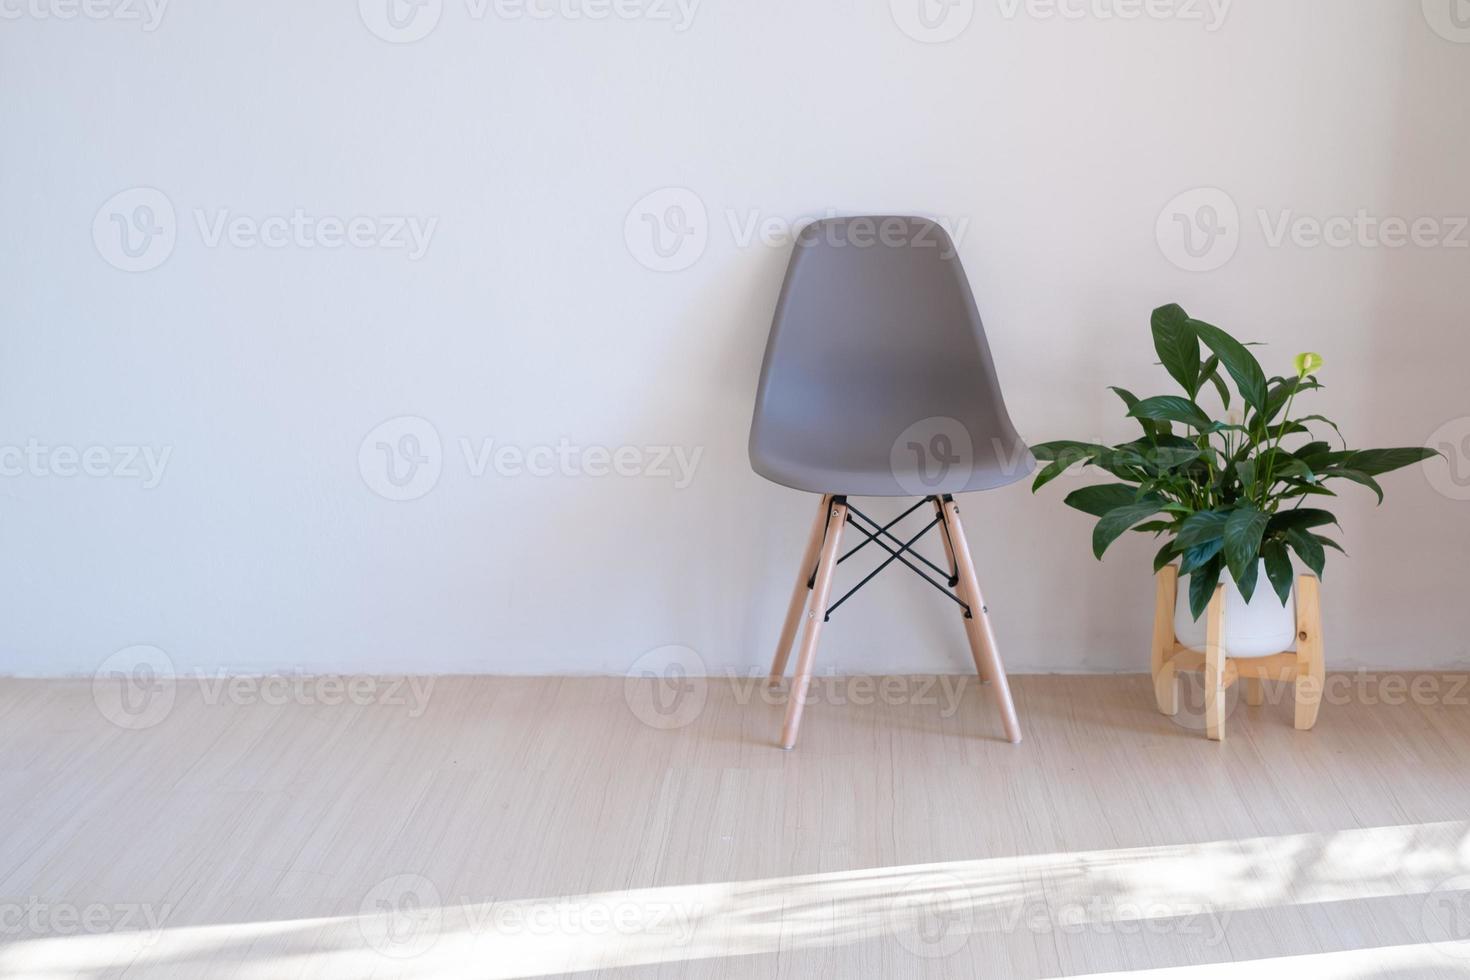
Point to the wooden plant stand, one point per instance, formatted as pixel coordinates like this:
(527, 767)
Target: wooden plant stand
(1303, 667)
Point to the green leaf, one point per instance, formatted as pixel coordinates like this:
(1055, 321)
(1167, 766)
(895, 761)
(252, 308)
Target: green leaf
(1120, 519)
(1241, 363)
(1280, 390)
(1376, 462)
(1307, 548)
(1155, 527)
(1172, 408)
(1329, 543)
(1060, 456)
(1210, 371)
(1356, 476)
(1246, 583)
(1278, 568)
(1177, 346)
(1302, 517)
(1323, 418)
(1306, 452)
(1243, 530)
(1059, 449)
(1164, 556)
(1151, 428)
(1307, 489)
(1194, 557)
(1202, 587)
(1098, 500)
(1292, 468)
(1246, 471)
(1201, 528)
(1160, 459)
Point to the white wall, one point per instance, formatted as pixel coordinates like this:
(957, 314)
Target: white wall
(1057, 141)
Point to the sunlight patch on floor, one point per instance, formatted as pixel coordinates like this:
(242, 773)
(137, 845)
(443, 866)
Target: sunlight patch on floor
(1447, 959)
(406, 928)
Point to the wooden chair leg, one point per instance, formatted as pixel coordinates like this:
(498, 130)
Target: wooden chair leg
(1311, 670)
(981, 667)
(982, 638)
(1255, 692)
(815, 614)
(1166, 685)
(1214, 673)
(799, 593)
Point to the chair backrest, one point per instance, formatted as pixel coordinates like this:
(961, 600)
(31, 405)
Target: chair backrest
(877, 378)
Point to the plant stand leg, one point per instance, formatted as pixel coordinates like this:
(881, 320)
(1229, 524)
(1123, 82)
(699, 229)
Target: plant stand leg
(799, 593)
(982, 638)
(1255, 692)
(816, 614)
(1214, 674)
(1311, 669)
(1161, 663)
(981, 666)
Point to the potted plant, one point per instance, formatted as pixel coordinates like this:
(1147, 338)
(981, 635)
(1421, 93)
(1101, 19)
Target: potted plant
(1232, 499)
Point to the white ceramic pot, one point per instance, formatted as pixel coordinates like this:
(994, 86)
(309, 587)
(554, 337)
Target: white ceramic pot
(1257, 628)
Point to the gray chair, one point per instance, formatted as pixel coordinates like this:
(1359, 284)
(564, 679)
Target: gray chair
(878, 381)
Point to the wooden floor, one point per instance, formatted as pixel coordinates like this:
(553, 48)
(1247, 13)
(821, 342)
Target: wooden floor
(501, 827)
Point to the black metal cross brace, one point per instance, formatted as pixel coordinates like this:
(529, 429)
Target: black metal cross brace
(876, 536)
